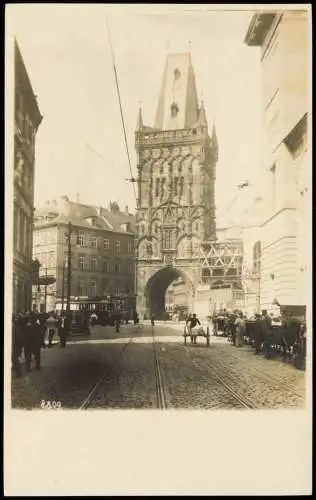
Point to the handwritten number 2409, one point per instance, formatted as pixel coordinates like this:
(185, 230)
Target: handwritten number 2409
(50, 405)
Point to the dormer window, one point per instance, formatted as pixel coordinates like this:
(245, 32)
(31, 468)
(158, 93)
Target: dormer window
(174, 110)
(93, 221)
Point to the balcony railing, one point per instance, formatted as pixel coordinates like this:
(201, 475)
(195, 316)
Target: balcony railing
(171, 135)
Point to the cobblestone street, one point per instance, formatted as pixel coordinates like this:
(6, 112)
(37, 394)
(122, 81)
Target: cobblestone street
(121, 370)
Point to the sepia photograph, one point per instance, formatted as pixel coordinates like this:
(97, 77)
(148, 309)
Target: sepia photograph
(158, 250)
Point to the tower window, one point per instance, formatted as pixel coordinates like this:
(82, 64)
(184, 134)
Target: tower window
(157, 187)
(175, 186)
(177, 74)
(167, 239)
(174, 110)
(181, 186)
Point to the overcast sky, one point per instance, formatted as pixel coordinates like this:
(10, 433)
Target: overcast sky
(80, 143)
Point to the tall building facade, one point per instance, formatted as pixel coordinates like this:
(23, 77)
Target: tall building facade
(27, 120)
(176, 162)
(283, 38)
(102, 252)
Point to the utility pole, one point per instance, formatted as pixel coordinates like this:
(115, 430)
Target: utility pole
(63, 288)
(45, 293)
(70, 230)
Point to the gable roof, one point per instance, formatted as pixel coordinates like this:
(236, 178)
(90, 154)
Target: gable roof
(78, 214)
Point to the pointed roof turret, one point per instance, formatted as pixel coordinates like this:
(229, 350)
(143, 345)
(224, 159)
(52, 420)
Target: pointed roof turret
(214, 138)
(202, 121)
(178, 104)
(214, 134)
(140, 124)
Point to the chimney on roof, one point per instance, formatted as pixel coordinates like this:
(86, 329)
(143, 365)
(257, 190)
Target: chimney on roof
(126, 209)
(65, 198)
(78, 197)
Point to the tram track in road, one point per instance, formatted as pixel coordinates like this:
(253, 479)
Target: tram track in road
(109, 370)
(275, 380)
(160, 392)
(243, 400)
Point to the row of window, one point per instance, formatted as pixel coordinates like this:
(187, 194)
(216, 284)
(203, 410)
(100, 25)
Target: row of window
(94, 242)
(107, 267)
(24, 122)
(177, 184)
(47, 259)
(44, 237)
(23, 172)
(22, 232)
(105, 288)
(182, 227)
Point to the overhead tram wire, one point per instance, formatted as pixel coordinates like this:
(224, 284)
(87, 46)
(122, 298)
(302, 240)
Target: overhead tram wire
(74, 135)
(120, 105)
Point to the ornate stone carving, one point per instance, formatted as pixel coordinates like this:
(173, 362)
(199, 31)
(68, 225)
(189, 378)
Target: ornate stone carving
(169, 259)
(156, 153)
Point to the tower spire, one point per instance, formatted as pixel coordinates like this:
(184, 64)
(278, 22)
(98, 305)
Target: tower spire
(214, 138)
(178, 104)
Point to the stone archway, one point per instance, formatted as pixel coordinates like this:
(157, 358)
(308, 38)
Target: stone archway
(156, 288)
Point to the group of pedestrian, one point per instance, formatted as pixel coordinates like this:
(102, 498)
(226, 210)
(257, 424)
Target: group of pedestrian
(28, 337)
(237, 329)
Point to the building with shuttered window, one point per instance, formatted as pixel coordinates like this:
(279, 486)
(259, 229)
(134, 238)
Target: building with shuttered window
(27, 120)
(284, 231)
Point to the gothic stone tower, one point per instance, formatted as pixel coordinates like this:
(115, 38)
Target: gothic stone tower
(176, 177)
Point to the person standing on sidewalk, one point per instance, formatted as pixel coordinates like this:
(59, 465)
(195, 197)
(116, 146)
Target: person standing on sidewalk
(240, 326)
(51, 327)
(63, 330)
(17, 345)
(117, 322)
(27, 341)
(37, 341)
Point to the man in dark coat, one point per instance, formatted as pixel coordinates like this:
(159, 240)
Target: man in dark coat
(32, 341)
(27, 340)
(17, 345)
(37, 341)
(265, 327)
(63, 331)
(258, 334)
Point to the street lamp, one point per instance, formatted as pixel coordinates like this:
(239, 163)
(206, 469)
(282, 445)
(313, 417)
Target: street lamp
(63, 286)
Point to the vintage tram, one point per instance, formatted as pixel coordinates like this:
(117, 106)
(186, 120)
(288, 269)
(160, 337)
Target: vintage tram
(105, 309)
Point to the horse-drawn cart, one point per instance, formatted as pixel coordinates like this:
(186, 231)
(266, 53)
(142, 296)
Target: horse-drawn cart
(219, 323)
(197, 331)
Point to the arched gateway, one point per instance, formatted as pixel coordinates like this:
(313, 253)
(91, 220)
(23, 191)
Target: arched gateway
(157, 285)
